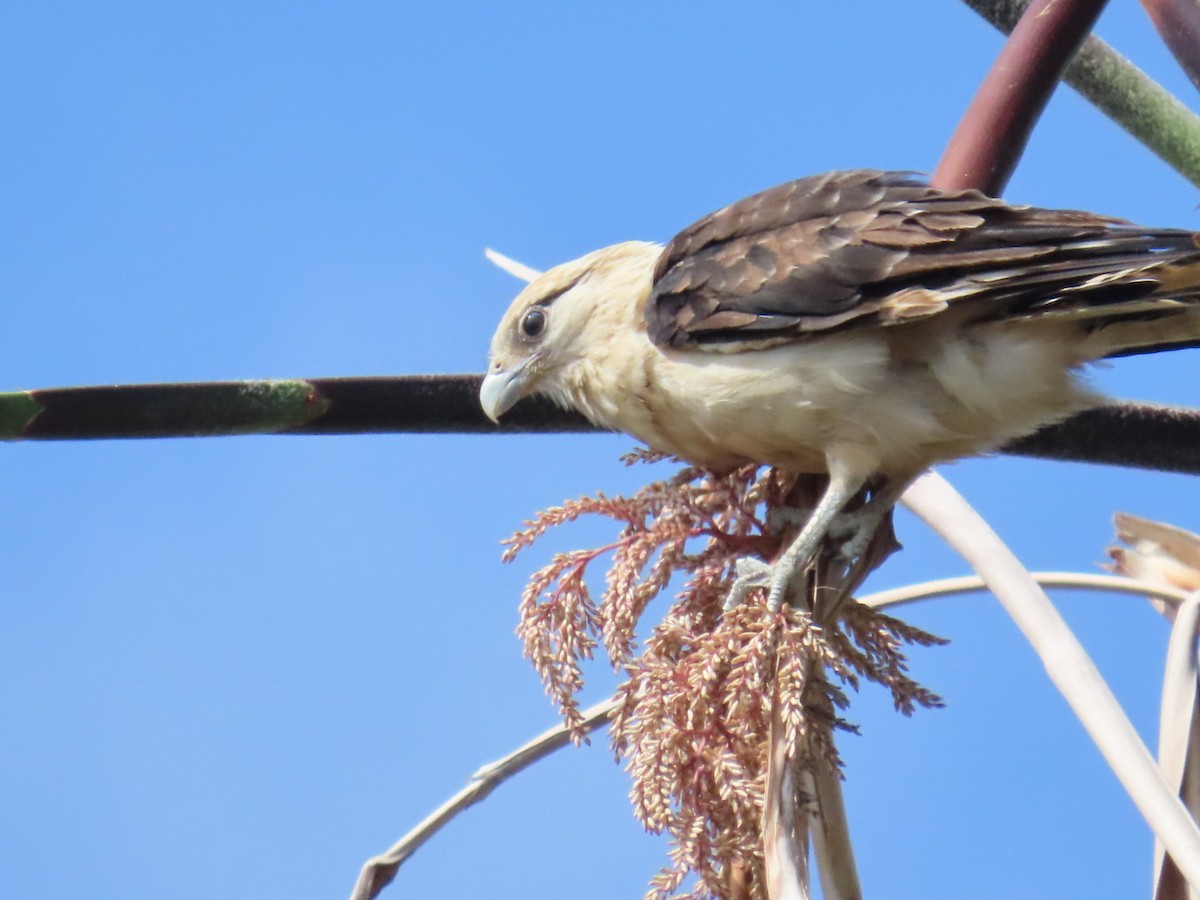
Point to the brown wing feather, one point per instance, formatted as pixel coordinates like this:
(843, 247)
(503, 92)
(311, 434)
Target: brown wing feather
(835, 250)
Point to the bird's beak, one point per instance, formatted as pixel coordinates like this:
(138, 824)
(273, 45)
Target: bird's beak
(502, 388)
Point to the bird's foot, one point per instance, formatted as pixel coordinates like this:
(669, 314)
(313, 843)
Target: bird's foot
(784, 517)
(777, 577)
(854, 529)
(752, 573)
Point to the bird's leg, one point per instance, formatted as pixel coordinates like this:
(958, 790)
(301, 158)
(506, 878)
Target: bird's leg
(844, 524)
(859, 527)
(856, 527)
(784, 517)
(778, 576)
(843, 485)
(861, 552)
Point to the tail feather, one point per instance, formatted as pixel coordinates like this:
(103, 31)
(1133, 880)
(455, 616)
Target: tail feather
(1128, 303)
(1167, 318)
(1179, 330)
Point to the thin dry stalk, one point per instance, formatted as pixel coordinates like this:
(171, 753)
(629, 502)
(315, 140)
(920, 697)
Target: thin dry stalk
(1177, 726)
(972, 584)
(786, 817)
(1168, 558)
(1067, 663)
(829, 828)
(378, 871)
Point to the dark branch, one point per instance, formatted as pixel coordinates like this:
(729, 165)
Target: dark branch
(1136, 435)
(1129, 435)
(1133, 435)
(422, 404)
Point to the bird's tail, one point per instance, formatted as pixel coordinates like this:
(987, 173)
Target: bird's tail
(1179, 331)
(1167, 317)
(1131, 291)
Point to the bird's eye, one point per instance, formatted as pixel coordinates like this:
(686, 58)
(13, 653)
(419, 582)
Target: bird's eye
(534, 322)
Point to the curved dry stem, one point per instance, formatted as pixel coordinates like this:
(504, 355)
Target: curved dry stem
(1068, 665)
(378, 871)
(1178, 744)
(970, 584)
(830, 832)
(830, 835)
(786, 820)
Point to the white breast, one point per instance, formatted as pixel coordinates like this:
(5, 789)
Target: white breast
(891, 399)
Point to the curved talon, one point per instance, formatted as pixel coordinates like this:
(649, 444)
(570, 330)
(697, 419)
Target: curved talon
(858, 527)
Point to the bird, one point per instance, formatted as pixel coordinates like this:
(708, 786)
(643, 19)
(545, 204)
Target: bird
(857, 323)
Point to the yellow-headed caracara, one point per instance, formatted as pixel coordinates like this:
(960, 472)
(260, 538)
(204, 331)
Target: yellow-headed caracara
(857, 323)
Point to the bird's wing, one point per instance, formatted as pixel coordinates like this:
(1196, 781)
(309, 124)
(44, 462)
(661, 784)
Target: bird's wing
(855, 248)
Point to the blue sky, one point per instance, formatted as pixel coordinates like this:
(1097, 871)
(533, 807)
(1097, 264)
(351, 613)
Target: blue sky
(239, 667)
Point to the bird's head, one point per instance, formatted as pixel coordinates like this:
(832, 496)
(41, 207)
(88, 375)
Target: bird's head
(565, 317)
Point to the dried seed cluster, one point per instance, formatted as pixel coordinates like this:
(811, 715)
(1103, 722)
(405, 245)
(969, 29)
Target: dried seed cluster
(698, 699)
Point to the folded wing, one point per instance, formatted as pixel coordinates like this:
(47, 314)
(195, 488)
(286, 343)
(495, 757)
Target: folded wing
(865, 248)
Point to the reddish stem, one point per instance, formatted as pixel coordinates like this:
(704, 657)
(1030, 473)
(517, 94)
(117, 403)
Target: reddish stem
(992, 134)
(1178, 24)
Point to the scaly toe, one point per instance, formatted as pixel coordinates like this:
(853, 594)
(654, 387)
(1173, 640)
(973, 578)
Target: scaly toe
(752, 573)
(864, 524)
(781, 581)
(784, 517)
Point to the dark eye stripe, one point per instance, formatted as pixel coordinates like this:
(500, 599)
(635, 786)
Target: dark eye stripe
(554, 295)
